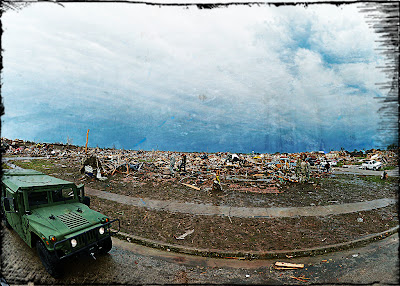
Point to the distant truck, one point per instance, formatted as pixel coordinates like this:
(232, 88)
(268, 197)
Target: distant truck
(53, 215)
(371, 165)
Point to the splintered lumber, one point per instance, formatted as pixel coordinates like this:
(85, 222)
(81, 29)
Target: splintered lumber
(302, 280)
(239, 258)
(288, 265)
(185, 234)
(193, 187)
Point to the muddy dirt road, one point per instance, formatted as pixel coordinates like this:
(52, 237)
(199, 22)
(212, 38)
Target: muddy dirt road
(132, 264)
(354, 169)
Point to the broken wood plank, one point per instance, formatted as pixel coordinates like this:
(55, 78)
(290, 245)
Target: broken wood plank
(191, 186)
(285, 268)
(298, 279)
(285, 264)
(185, 234)
(234, 257)
(303, 277)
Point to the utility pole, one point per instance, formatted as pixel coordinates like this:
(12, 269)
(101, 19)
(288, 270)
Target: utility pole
(87, 139)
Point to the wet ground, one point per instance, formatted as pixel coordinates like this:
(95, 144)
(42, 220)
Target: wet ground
(237, 234)
(247, 234)
(132, 264)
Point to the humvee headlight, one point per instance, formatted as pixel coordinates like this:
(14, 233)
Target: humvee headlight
(73, 242)
(52, 238)
(101, 230)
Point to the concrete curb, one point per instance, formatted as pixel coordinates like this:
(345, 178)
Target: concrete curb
(249, 255)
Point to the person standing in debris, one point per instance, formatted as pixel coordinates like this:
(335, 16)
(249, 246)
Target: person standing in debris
(183, 164)
(298, 163)
(172, 163)
(308, 166)
(303, 167)
(217, 183)
(327, 166)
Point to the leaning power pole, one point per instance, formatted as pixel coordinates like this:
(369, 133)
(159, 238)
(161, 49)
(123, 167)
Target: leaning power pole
(87, 139)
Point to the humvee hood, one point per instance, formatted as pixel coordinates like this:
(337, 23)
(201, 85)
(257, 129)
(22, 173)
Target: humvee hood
(63, 219)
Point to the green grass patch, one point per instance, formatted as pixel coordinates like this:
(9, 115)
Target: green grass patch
(5, 166)
(146, 160)
(389, 167)
(377, 179)
(339, 164)
(35, 164)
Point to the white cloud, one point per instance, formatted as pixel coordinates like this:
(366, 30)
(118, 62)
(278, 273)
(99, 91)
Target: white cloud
(255, 67)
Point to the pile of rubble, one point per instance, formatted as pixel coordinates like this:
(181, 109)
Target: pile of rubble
(262, 173)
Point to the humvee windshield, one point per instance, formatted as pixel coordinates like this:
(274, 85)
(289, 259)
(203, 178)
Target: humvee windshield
(37, 198)
(63, 195)
(42, 198)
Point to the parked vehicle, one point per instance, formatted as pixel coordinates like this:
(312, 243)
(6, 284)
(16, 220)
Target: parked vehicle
(273, 165)
(288, 162)
(331, 163)
(371, 165)
(322, 164)
(310, 160)
(53, 216)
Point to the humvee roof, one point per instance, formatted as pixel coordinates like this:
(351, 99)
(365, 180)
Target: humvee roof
(21, 178)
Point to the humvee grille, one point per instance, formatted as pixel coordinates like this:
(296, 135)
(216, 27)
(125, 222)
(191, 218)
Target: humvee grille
(87, 237)
(72, 220)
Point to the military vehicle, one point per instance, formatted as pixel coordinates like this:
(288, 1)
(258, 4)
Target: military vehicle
(53, 216)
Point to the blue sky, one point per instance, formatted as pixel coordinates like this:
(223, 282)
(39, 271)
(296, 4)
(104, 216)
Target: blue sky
(237, 79)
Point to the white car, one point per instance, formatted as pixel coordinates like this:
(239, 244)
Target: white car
(371, 165)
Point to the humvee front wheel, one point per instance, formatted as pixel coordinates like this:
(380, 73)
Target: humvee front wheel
(105, 245)
(49, 260)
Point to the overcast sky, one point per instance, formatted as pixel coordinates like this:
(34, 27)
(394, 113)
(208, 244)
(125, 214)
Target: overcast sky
(237, 79)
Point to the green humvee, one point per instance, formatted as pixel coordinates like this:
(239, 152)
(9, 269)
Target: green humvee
(53, 215)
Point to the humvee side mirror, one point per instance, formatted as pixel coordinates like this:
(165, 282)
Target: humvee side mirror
(80, 189)
(86, 201)
(6, 203)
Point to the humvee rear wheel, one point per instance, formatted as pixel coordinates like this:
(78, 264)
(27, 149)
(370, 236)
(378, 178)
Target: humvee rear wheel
(6, 222)
(49, 260)
(105, 245)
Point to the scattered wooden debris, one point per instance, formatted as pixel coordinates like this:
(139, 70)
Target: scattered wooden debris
(286, 266)
(185, 234)
(303, 277)
(298, 278)
(191, 186)
(238, 258)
